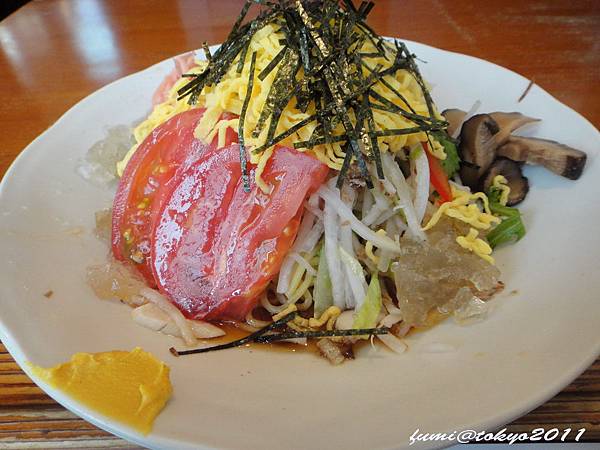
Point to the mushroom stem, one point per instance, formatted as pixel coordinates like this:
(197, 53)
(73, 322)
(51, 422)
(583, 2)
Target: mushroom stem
(559, 158)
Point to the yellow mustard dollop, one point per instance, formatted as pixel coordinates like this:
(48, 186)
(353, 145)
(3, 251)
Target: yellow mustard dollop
(130, 387)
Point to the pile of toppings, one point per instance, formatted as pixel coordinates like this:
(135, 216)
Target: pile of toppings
(227, 204)
(312, 76)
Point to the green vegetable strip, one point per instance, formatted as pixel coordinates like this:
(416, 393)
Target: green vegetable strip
(366, 316)
(506, 211)
(322, 293)
(511, 229)
(451, 164)
(242, 119)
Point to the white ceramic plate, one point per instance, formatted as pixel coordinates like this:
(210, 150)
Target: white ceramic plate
(535, 342)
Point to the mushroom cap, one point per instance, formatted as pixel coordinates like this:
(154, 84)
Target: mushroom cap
(509, 122)
(477, 148)
(518, 184)
(455, 118)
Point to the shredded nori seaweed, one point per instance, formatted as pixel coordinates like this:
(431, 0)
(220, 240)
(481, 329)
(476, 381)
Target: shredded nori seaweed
(275, 337)
(263, 336)
(242, 120)
(321, 64)
(238, 342)
(267, 70)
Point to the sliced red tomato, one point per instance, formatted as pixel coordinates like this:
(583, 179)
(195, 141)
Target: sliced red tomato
(140, 191)
(437, 175)
(215, 247)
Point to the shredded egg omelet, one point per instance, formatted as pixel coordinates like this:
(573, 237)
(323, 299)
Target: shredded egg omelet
(228, 96)
(464, 207)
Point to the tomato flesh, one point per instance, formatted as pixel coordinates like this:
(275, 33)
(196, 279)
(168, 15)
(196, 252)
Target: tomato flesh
(215, 247)
(140, 189)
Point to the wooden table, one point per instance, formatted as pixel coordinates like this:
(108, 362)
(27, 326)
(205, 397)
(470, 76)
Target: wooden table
(53, 53)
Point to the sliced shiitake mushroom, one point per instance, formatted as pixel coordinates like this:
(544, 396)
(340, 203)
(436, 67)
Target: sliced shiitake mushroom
(559, 158)
(509, 122)
(455, 118)
(477, 148)
(511, 170)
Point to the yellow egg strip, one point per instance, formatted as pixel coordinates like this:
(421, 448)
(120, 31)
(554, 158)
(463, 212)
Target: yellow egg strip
(328, 318)
(464, 208)
(501, 183)
(476, 245)
(227, 97)
(369, 248)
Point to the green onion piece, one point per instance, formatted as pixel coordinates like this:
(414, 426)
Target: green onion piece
(510, 229)
(322, 294)
(366, 316)
(451, 164)
(503, 211)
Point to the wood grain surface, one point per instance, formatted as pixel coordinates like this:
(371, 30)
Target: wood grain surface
(53, 53)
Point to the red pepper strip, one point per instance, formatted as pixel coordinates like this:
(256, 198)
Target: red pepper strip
(437, 176)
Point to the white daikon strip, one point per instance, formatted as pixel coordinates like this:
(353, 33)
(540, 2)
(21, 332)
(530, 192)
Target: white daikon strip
(355, 278)
(422, 185)
(338, 280)
(394, 174)
(345, 213)
(303, 262)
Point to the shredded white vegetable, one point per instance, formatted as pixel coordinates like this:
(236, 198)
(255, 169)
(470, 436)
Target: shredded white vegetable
(422, 185)
(173, 312)
(303, 262)
(393, 343)
(359, 228)
(394, 174)
(336, 274)
(355, 278)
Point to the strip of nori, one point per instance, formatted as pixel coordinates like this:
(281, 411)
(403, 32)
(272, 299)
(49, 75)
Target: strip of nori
(206, 51)
(320, 141)
(285, 134)
(416, 118)
(275, 337)
(238, 342)
(272, 64)
(327, 43)
(242, 60)
(242, 121)
(374, 141)
(279, 93)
